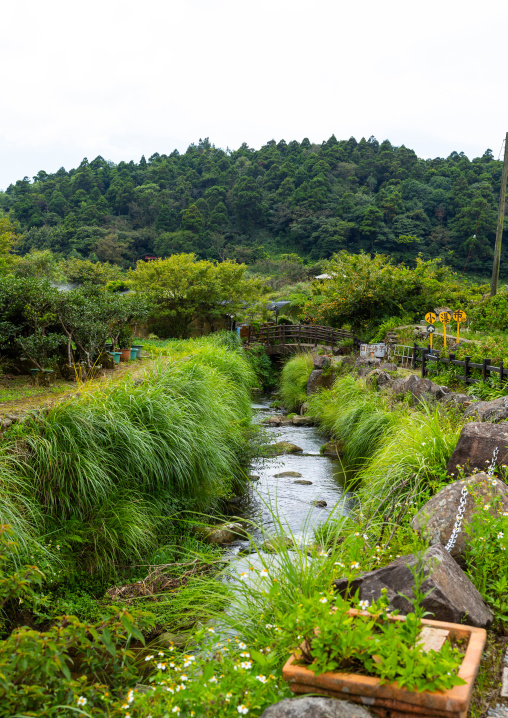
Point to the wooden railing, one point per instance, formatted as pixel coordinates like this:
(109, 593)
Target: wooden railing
(298, 334)
(486, 367)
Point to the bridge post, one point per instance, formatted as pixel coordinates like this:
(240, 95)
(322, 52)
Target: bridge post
(315, 336)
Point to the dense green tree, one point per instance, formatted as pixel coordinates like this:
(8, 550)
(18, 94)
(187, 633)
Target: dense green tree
(283, 197)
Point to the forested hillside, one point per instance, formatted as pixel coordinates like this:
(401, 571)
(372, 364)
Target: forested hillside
(298, 197)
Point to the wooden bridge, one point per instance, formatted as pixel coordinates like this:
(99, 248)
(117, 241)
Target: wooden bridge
(291, 338)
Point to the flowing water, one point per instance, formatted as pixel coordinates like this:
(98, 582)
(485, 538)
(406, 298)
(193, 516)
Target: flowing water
(292, 502)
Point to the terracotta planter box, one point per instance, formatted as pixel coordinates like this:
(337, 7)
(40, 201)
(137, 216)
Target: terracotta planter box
(125, 354)
(388, 699)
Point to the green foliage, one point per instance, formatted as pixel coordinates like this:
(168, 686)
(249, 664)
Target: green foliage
(364, 291)
(84, 271)
(184, 290)
(293, 385)
(490, 314)
(8, 241)
(262, 366)
(312, 200)
(487, 555)
(226, 679)
(401, 450)
(368, 643)
(356, 416)
(35, 667)
(389, 325)
(108, 471)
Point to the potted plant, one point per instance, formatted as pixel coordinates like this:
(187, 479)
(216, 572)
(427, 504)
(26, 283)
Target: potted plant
(124, 342)
(406, 665)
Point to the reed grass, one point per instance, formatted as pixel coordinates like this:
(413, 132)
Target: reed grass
(392, 447)
(294, 377)
(103, 473)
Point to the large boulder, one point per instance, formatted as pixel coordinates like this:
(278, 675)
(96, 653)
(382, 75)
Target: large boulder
(420, 389)
(453, 597)
(436, 519)
(493, 411)
(476, 447)
(315, 707)
(318, 379)
(320, 361)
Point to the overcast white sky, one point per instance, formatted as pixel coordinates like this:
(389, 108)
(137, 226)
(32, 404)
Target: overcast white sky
(122, 78)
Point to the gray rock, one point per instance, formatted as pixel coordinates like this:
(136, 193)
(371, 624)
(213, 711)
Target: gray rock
(272, 421)
(453, 598)
(293, 474)
(379, 379)
(253, 477)
(283, 447)
(436, 518)
(320, 503)
(304, 408)
(315, 707)
(277, 543)
(476, 445)
(331, 448)
(320, 361)
(223, 534)
(493, 411)
(319, 380)
(388, 366)
(367, 361)
(458, 399)
(303, 482)
(302, 421)
(420, 389)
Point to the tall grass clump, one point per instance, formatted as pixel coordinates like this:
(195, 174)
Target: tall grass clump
(410, 459)
(356, 417)
(294, 377)
(18, 509)
(108, 470)
(397, 450)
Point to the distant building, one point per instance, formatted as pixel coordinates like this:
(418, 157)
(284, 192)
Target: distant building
(148, 257)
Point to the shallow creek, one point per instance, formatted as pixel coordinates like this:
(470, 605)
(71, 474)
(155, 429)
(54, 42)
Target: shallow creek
(291, 502)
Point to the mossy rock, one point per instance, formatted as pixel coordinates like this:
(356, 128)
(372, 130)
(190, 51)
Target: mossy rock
(282, 447)
(277, 543)
(333, 449)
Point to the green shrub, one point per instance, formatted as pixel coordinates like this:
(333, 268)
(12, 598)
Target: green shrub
(490, 314)
(294, 377)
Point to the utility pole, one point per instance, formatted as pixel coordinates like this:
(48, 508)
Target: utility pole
(500, 221)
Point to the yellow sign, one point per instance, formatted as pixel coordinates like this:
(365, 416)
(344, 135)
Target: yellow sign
(430, 317)
(459, 317)
(445, 317)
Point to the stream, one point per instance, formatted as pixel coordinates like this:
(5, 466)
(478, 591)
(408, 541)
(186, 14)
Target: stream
(290, 501)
